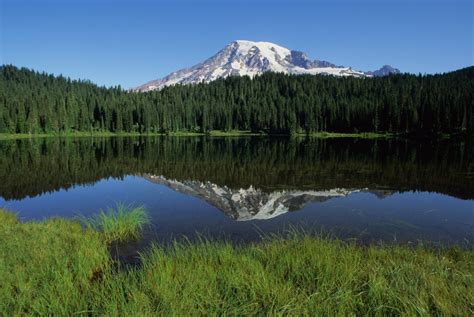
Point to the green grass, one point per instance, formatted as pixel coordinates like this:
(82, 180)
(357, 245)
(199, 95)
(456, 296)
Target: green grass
(48, 267)
(234, 133)
(13, 136)
(121, 223)
(58, 267)
(363, 135)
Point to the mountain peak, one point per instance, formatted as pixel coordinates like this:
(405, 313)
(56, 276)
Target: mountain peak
(250, 58)
(247, 45)
(385, 70)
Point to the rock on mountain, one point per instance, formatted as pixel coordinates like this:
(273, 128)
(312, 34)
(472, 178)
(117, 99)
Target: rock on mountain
(252, 58)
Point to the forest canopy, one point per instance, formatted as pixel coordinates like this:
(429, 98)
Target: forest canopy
(33, 102)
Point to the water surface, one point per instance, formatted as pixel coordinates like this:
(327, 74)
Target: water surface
(397, 191)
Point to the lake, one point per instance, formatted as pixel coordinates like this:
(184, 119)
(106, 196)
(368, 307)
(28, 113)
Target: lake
(395, 191)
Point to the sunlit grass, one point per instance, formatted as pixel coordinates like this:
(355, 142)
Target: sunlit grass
(48, 267)
(7, 218)
(120, 223)
(362, 135)
(78, 134)
(58, 267)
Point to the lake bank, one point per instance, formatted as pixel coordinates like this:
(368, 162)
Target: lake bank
(239, 133)
(58, 267)
(216, 133)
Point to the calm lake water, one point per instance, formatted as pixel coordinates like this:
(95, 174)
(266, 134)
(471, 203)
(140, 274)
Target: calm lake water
(397, 191)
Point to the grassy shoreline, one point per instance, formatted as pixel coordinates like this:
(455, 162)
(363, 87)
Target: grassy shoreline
(232, 133)
(214, 133)
(60, 267)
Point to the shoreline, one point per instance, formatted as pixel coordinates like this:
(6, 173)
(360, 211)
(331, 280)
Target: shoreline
(234, 133)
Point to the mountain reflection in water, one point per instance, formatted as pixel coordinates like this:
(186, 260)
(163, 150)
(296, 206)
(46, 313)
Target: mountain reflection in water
(250, 203)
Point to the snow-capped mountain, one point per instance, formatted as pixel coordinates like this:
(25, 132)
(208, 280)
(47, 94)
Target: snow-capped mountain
(252, 58)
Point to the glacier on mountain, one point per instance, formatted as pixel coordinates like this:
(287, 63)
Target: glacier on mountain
(250, 58)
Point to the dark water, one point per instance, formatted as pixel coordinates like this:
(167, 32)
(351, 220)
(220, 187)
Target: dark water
(238, 188)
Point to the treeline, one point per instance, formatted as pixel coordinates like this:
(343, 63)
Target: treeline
(33, 166)
(32, 102)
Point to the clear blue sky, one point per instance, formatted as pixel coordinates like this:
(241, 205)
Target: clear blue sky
(130, 42)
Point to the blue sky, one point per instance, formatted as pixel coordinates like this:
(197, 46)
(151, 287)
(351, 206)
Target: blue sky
(130, 42)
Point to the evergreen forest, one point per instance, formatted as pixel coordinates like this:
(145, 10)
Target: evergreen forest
(273, 103)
